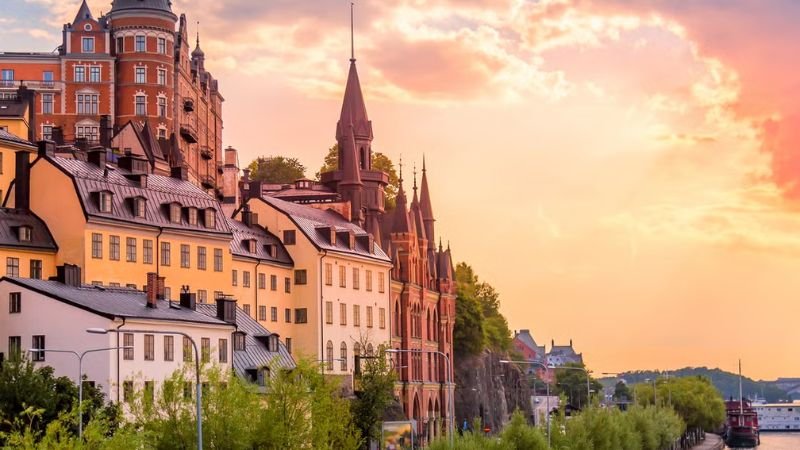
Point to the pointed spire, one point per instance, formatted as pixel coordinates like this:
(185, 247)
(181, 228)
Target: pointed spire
(351, 174)
(401, 223)
(198, 52)
(425, 195)
(83, 13)
(352, 35)
(440, 245)
(415, 200)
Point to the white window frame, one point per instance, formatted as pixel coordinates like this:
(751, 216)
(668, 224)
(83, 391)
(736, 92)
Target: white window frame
(75, 73)
(85, 39)
(80, 106)
(161, 45)
(136, 43)
(99, 74)
(51, 103)
(162, 77)
(159, 105)
(136, 78)
(135, 103)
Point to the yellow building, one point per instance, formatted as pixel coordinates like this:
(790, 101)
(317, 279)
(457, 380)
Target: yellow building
(10, 145)
(14, 113)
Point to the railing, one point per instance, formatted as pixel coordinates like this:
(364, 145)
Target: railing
(208, 182)
(31, 84)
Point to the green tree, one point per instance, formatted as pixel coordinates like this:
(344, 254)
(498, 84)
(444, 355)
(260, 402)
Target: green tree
(276, 169)
(695, 399)
(572, 383)
(621, 392)
(478, 311)
(374, 394)
(380, 162)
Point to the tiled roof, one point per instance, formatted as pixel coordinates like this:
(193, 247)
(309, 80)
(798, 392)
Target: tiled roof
(309, 220)
(12, 219)
(12, 109)
(256, 354)
(242, 232)
(14, 139)
(160, 191)
(114, 302)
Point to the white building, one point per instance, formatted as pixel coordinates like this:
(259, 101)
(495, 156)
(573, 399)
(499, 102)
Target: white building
(55, 315)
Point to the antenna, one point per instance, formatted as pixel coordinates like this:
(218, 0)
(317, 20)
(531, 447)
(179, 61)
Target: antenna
(352, 35)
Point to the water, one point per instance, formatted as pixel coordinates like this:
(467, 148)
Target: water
(779, 441)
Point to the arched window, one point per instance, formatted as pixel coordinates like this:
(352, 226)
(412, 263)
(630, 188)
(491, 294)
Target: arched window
(428, 326)
(343, 356)
(357, 349)
(363, 164)
(435, 326)
(329, 355)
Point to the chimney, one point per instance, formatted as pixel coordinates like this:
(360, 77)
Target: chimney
(28, 96)
(105, 131)
(226, 309)
(180, 172)
(133, 164)
(58, 135)
(97, 156)
(189, 300)
(68, 274)
(247, 216)
(570, 342)
(82, 143)
(151, 289)
(47, 148)
(22, 182)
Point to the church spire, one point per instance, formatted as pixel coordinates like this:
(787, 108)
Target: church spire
(400, 223)
(352, 35)
(425, 207)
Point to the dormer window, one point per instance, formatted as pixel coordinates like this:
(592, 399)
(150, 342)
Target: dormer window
(209, 218)
(139, 204)
(192, 215)
(251, 245)
(24, 233)
(104, 201)
(175, 212)
(271, 250)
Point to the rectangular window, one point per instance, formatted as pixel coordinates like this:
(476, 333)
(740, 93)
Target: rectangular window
(289, 345)
(167, 293)
(205, 350)
(342, 276)
(149, 347)
(246, 309)
(87, 45)
(287, 315)
(342, 313)
(169, 348)
(273, 314)
(12, 267)
(14, 347)
(47, 132)
(87, 104)
(201, 258)
(300, 276)
(141, 105)
(47, 79)
(141, 75)
(262, 281)
(234, 277)
(223, 351)
(36, 269)
(369, 280)
(202, 296)
(113, 248)
(80, 74)
(130, 249)
(94, 74)
(217, 294)
(381, 281)
(127, 341)
(149, 392)
(369, 316)
(187, 349)
(246, 278)
(273, 282)
(162, 107)
(289, 237)
(357, 315)
(14, 303)
(147, 251)
(329, 312)
(165, 256)
(7, 79)
(238, 342)
(140, 44)
(47, 103)
(382, 318)
(356, 278)
(328, 274)
(287, 285)
(162, 77)
(127, 391)
(262, 313)
(185, 256)
(120, 45)
(162, 46)
(217, 260)
(301, 315)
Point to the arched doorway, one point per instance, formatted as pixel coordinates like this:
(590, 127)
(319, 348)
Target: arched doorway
(416, 414)
(430, 428)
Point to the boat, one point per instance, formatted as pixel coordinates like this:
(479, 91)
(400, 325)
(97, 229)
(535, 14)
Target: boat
(778, 416)
(741, 423)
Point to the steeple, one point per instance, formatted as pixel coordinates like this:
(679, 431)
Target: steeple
(400, 223)
(83, 13)
(198, 52)
(425, 206)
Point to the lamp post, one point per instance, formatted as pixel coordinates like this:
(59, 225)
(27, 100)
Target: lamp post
(547, 384)
(196, 371)
(451, 403)
(655, 391)
(588, 385)
(80, 375)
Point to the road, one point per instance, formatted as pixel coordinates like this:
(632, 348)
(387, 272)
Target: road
(712, 442)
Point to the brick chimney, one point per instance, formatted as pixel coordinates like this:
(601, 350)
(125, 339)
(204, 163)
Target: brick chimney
(151, 289)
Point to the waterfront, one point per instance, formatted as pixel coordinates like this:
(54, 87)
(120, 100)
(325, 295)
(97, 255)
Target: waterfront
(779, 441)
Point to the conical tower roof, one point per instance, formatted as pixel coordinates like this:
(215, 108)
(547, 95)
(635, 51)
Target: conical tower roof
(400, 224)
(83, 13)
(354, 110)
(425, 195)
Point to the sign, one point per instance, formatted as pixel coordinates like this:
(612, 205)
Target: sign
(397, 435)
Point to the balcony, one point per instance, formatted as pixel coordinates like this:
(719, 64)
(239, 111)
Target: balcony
(188, 133)
(37, 85)
(188, 104)
(206, 153)
(208, 182)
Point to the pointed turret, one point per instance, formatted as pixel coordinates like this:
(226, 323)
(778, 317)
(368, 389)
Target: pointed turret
(83, 13)
(198, 56)
(416, 212)
(426, 208)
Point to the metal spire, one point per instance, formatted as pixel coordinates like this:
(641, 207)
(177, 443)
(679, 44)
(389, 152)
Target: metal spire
(415, 179)
(198, 34)
(352, 35)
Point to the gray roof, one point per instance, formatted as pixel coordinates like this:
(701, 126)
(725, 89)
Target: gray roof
(160, 192)
(12, 219)
(309, 220)
(113, 302)
(256, 354)
(160, 5)
(12, 108)
(242, 232)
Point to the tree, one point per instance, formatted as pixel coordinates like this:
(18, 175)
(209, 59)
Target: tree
(621, 392)
(695, 399)
(572, 383)
(374, 394)
(478, 311)
(276, 169)
(380, 162)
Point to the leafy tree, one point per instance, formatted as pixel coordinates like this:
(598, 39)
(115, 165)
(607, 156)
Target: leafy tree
(478, 309)
(695, 399)
(276, 169)
(572, 383)
(375, 394)
(380, 162)
(519, 434)
(621, 392)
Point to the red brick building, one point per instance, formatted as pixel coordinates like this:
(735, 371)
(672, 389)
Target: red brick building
(133, 64)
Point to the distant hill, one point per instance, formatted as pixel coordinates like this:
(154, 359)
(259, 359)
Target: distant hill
(726, 382)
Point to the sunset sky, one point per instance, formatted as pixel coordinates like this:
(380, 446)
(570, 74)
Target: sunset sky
(624, 172)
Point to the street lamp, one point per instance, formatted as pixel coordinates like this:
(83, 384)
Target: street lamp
(80, 374)
(547, 399)
(655, 391)
(196, 370)
(588, 386)
(451, 403)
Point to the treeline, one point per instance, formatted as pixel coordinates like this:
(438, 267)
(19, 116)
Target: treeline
(479, 324)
